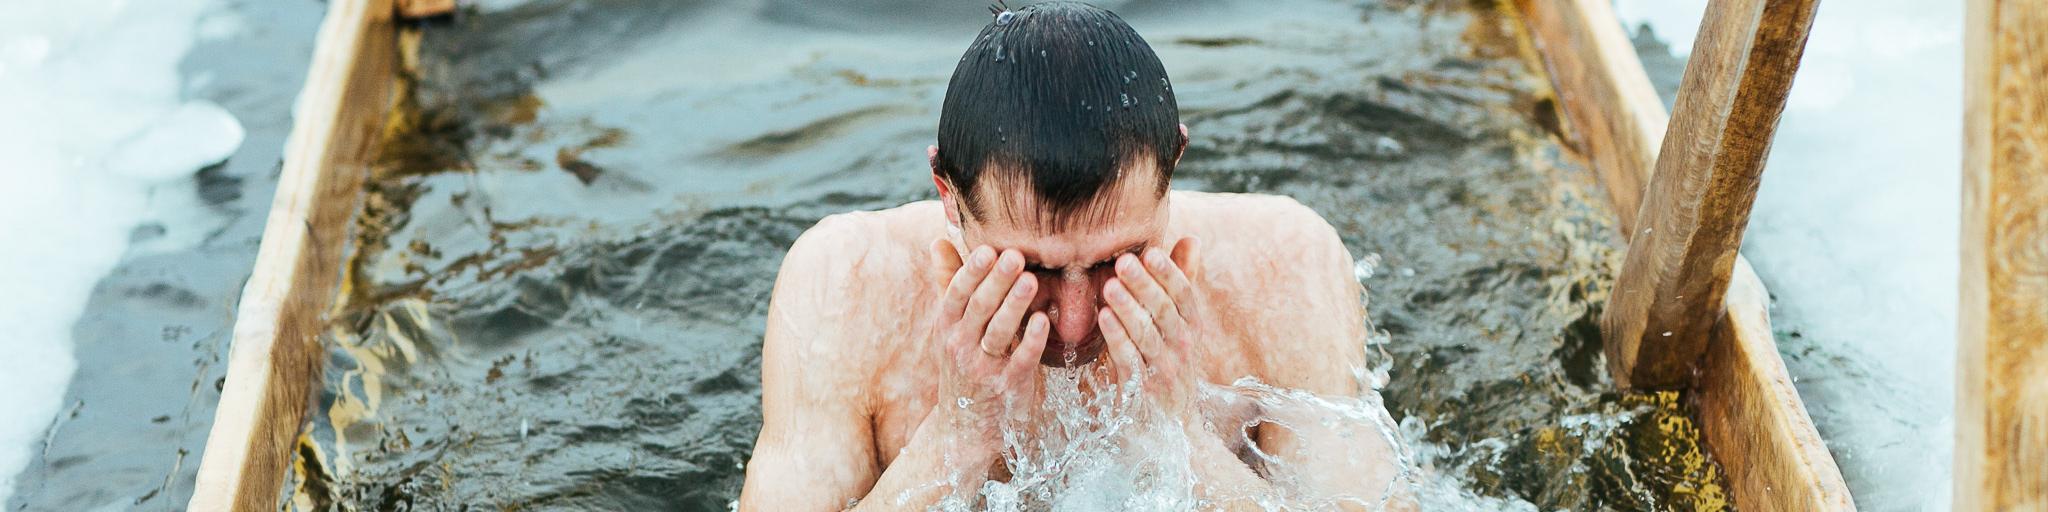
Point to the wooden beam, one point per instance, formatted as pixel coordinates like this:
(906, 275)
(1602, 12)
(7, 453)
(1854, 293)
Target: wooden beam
(275, 357)
(413, 9)
(1752, 418)
(1689, 227)
(1599, 83)
(2001, 458)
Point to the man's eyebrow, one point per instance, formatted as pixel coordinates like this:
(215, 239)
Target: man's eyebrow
(1134, 248)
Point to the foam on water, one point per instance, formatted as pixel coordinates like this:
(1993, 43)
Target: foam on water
(1855, 233)
(91, 123)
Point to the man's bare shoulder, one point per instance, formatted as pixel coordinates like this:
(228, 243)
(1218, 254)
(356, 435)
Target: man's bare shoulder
(1262, 250)
(851, 262)
(1260, 232)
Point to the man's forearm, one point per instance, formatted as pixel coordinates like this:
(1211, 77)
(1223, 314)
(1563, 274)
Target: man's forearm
(941, 459)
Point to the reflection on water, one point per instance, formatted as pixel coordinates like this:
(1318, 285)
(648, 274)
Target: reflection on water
(564, 260)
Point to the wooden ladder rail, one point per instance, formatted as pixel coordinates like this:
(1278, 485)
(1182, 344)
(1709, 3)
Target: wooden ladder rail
(1750, 415)
(1689, 227)
(2001, 458)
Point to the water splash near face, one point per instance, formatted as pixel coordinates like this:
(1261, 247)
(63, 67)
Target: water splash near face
(1093, 445)
(1091, 451)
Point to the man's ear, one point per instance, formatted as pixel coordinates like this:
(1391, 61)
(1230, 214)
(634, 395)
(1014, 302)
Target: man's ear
(1177, 153)
(948, 199)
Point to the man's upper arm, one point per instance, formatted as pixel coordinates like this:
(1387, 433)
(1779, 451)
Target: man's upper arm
(816, 448)
(1326, 349)
(1327, 356)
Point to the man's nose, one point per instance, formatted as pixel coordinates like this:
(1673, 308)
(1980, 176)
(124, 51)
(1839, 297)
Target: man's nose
(1076, 300)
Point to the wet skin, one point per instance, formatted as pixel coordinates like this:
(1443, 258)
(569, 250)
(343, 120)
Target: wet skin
(881, 322)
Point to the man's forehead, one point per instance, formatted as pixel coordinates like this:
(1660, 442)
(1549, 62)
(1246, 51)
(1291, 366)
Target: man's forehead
(1128, 214)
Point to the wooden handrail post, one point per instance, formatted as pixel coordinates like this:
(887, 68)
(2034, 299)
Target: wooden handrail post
(1689, 227)
(2001, 459)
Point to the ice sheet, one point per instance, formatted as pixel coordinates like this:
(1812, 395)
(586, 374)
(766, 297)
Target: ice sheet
(91, 122)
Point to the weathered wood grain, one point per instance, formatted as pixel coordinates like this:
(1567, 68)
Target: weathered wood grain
(1598, 81)
(275, 357)
(2001, 459)
(1751, 416)
(1669, 294)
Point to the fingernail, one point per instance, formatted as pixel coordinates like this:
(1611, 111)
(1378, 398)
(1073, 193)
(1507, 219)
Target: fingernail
(1155, 258)
(1127, 264)
(982, 255)
(1009, 261)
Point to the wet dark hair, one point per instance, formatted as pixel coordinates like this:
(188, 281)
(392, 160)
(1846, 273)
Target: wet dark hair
(1059, 96)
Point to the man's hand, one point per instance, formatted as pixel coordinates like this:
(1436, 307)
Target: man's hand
(980, 311)
(1152, 324)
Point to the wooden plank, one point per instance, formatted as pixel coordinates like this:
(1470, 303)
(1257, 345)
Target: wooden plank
(1755, 423)
(1669, 294)
(1598, 79)
(2001, 459)
(425, 8)
(1752, 419)
(275, 357)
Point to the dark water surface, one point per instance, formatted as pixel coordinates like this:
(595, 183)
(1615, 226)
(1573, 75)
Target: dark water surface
(565, 258)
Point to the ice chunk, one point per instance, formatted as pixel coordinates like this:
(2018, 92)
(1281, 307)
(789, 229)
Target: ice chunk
(194, 135)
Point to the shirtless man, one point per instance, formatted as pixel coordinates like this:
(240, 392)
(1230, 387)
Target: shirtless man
(1055, 242)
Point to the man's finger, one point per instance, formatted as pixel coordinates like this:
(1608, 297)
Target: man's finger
(1033, 346)
(1002, 328)
(1121, 350)
(1135, 320)
(954, 302)
(989, 294)
(1166, 315)
(1173, 274)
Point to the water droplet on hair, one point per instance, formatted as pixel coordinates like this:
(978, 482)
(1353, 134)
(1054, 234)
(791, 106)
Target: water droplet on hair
(1005, 17)
(999, 53)
(1126, 99)
(1091, 43)
(1041, 53)
(1162, 98)
(1132, 75)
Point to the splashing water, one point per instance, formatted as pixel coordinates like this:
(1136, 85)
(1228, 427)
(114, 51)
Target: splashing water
(1110, 451)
